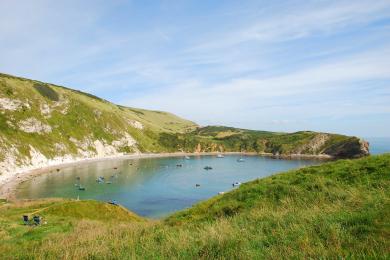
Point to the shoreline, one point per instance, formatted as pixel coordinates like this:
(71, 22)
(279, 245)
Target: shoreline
(9, 186)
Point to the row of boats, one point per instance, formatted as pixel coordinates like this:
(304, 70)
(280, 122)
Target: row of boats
(218, 156)
(99, 180)
(234, 184)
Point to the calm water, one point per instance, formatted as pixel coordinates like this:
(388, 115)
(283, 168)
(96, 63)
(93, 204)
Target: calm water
(155, 187)
(379, 145)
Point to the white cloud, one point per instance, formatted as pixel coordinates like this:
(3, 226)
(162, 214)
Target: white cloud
(236, 100)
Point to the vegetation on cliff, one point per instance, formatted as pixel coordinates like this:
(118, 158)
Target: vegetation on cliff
(337, 209)
(41, 121)
(220, 138)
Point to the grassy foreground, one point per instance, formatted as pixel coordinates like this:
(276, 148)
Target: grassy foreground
(338, 209)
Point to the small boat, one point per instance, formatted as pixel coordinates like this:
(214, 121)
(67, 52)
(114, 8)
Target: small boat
(113, 202)
(236, 184)
(108, 182)
(187, 157)
(220, 156)
(241, 160)
(208, 168)
(221, 192)
(197, 185)
(179, 165)
(81, 188)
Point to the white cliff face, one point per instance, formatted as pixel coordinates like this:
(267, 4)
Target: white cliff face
(136, 124)
(127, 140)
(45, 110)
(13, 163)
(103, 149)
(314, 145)
(9, 162)
(12, 104)
(62, 106)
(33, 125)
(37, 158)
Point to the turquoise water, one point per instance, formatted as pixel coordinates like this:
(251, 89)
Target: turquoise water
(155, 187)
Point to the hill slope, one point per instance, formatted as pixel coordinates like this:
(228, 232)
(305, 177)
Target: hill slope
(40, 121)
(42, 124)
(337, 209)
(220, 138)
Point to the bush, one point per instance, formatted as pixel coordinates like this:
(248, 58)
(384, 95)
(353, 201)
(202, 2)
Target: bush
(47, 92)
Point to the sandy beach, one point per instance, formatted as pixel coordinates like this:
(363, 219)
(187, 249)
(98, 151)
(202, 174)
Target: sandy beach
(8, 186)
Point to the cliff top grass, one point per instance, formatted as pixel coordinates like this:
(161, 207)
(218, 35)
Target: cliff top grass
(337, 209)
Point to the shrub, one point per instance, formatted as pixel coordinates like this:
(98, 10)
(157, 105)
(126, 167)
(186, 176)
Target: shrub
(47, 92)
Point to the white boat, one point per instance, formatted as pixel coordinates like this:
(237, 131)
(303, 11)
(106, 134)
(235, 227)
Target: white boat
(221, 192)
(187, 157)
(236, 184)
(241, 160)
(220, 156)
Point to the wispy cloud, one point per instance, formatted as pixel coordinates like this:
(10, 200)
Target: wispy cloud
(281, 65)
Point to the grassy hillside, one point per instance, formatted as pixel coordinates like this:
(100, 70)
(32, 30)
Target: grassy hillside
(337, 209)
(40, 121)
(220, 138)
(57, 121)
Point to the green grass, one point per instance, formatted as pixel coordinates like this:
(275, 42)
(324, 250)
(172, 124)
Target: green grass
(229, 139)
(336, 210)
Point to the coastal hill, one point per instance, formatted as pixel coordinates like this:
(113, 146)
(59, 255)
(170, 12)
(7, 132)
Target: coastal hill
(42, 124)
(335, 210)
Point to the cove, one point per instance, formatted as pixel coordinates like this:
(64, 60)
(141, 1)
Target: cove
(155, 187)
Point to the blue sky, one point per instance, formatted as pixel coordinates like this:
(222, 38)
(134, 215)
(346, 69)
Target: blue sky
(269, 65)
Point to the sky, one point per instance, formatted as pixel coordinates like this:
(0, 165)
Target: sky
(267, 65)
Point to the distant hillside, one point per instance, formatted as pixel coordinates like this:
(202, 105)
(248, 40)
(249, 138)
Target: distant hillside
(333, 211)
(220, 138)
(42, 123)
